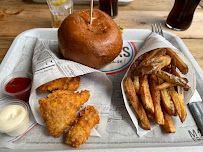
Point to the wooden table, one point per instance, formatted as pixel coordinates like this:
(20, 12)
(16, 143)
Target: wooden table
(17, 16)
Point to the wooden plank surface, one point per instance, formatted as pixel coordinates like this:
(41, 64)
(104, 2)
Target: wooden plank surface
(143, 20)
(21, 15)
(15, 21)
(144, 5)
(5, 43)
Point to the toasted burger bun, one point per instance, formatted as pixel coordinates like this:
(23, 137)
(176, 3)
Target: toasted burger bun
(94, 45)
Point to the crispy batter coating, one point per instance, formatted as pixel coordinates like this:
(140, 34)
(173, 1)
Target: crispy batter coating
(81, 129)
(59, 109)
(67, 83)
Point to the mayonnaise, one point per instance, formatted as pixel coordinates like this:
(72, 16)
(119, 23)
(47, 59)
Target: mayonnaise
(14, 120)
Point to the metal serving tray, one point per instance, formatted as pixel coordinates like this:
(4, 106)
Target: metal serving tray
(129, 35)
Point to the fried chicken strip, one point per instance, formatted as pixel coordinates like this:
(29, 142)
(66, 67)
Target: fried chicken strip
(67, 83)
(59, 109)
(81, 129)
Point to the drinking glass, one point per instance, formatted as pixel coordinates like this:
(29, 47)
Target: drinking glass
(180, 17)
(59, 13)
(109, 6)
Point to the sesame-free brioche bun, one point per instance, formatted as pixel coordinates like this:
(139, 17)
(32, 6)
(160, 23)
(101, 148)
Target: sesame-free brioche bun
(94, 45)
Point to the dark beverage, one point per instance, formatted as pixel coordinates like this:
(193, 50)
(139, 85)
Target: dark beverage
(109, 6)
(180, 17)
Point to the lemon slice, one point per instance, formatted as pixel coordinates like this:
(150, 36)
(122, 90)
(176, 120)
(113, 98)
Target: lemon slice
(58, 2)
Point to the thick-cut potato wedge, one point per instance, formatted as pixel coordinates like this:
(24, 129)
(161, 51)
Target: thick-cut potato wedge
(180, 93)
(173, 66)
(154, 64)
(181, 96)
(160, 60)
(177, 74)
(183, 112)
(172, 79)
(149, 55)
(145, 94)
(166, 100)
(155, 79)
(135, 68)
(177, 102)
(182, 66)
(136, 83)
(159, 117)
(169, 124)
(161, 52)
(173, 108)
(164, 85)
(150, 116)
(137, 104)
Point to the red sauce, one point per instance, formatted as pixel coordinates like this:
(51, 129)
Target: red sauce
(17, 85)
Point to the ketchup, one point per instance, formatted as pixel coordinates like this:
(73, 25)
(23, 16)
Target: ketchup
(17, 85)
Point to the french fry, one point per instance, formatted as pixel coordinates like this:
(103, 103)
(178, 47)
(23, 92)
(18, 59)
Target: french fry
(166, 101)
(182, 66)
(183, 112)
(173, 67)
(164, 85)
(173, 108)
(169, 124)
(167, 68)
(172, 78)
(160, 60)
(161, 52)
(136, 83)
(145, 94)
(149, 56)
(174, 72)
(150, 116)
(153, 89)
(177, 74)
(180, 93)
(179, 88)
(154, 64)
(137, 104)
(159, 117)
(134, 67)
(177, 102)
(181, 96)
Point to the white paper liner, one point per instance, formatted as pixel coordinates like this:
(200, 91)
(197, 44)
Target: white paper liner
(155, 41)
(46, 66)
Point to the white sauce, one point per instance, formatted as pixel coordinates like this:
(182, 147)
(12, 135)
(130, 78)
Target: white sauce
(11, 117)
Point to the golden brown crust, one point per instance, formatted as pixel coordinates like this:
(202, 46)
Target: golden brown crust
(172, 79)
(137, 105)
(156, 97)
(59, 109)
(95, 44)
(81, 129)
(67, 83)
(145, 94)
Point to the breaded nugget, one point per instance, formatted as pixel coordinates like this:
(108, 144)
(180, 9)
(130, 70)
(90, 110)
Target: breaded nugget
(67, 83)
(59, 109)
(81, 129)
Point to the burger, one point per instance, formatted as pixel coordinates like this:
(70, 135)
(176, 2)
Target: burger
(94, 45)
